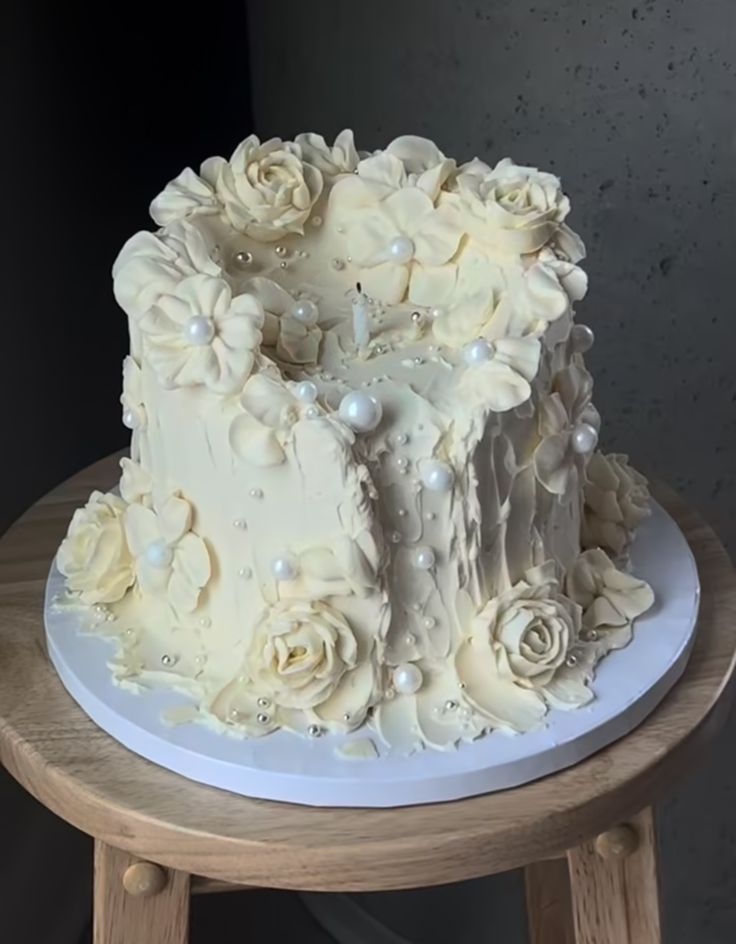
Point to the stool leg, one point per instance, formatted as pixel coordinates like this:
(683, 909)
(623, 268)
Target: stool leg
(548, 902)
(615, 889)
(137, 902)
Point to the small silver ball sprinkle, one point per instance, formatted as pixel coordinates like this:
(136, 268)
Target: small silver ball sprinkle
(245, 572)
(240, 523)
(401, 512)
(418, 361)
(571, 661)
(410, 639)
(244, 258)
(416, 316)
(262, 717)
(338, 264)
(256, 493)
(429, 622)
(402, 439)
(450, 704)
(430, 516)
(316, 221)
(395, 537)
(233, 714)
(263, 703)
(314, 731)
(462, 686)
(280, 251)
(167, 660)
(283, 265)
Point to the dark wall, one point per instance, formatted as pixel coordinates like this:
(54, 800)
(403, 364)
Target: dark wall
(100, 107)
(103, 106)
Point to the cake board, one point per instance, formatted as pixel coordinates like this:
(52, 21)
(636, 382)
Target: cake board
(629, 685)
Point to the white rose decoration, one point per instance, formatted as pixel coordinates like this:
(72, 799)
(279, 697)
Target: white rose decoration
(503, 381)
(267, 189)
(94, 556)
(300, 653)
(331, 160)
(170, 559)
(616, 502)
(516, 645)
(200, 334)
(517, 209)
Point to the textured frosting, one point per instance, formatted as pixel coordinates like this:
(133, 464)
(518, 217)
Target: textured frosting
(320, 535)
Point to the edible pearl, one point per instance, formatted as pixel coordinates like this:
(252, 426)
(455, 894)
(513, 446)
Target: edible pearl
(338, 264)
(168, 660)
(402, 439)
(200, 330)
(159, 554)
(311, 412)
(401, 250)
(314, 731)
(280, 251)
(424, 558)
(401, 512)
(407, 678)
(130, 419)
(256, 493)
(430, 516)
(244, 258)
(402, 463)
(245, 572)
(416, 317)
(283, 568)
(436, 312)
(205, 622)
(262, 718)
(361, 411)
(306, 312)
(410, 639)
(429, 622)
(477, 352)
(571, 661)
(584, 438)
(451, 704)
(394, 537)
(263, 703)
(316, 221)
(582, 338)
(306, 391)
(437, 476)
(240, 523)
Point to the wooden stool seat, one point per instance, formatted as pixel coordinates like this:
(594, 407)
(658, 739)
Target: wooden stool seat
(596, 815)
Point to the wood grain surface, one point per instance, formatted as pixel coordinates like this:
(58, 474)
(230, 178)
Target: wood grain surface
(50, 746)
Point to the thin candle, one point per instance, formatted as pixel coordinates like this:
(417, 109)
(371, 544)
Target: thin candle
(361, 320)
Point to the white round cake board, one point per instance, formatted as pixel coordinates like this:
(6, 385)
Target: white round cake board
(283, 766)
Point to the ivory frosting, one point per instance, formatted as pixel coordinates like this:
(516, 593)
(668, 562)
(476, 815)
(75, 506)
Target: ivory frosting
(433, 572)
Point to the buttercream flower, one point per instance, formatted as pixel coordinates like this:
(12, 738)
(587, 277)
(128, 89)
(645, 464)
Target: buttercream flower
(426, 167)
(94, 556)
(518, 209)
(611, 599)
(300, 652)
(296, 340)
(516, 646)
(403, 242)
(188, 194)
(561, 413)
(501, 382)
(267, 189)
(331, 160)
(259, 434)
(200, 334)
(152, 264)
(616, 502)
(170, 559)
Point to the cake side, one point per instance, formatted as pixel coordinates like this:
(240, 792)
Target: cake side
(360, 488)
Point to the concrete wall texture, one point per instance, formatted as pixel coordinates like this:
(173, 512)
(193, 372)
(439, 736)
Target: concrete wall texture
(633, 105)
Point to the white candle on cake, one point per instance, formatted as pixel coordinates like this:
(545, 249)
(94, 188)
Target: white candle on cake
(361, 320)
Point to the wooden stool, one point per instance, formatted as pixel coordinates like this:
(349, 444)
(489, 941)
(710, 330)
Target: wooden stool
(585, 836)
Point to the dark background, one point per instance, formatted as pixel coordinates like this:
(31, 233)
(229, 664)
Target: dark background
(632, 103)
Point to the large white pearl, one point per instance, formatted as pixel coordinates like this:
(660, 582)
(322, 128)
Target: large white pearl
(361, 411)
(582, 338)
(306, 391)
(283, 568)
(401, 250)
(424, 558)
(584, 438)
(437, 476)
(200, 330)
(407, 678)
(477, 352)
(306, 312)
(130, 419)
(159, 554)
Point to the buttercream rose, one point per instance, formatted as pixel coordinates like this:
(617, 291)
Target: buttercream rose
(94, 556)
(267, 189)
(300, 652)
(517, 644)
(514, 208)
(616, 502)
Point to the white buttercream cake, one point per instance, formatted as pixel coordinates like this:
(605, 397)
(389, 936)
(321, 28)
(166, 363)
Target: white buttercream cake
(363, 487)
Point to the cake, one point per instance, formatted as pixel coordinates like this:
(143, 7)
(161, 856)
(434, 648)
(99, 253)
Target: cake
(363, 491)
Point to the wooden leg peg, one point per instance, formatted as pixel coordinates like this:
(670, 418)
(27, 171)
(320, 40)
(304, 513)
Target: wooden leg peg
(615, 889)
(138, 902)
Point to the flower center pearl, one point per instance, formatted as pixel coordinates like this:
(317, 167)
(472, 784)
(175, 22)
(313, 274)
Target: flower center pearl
(305, 311)
(424, 558)
(159, 554)
(306, 391)
(200, 330)
(407, 678)
(437, 476)
(477, 352)
(283, 568)
(401, 250)
(584, 438)
(360, 411)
